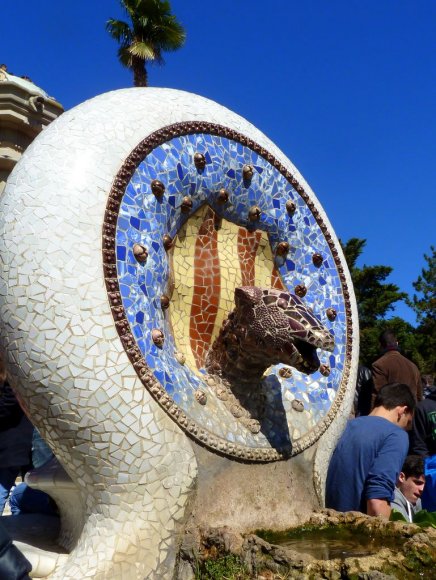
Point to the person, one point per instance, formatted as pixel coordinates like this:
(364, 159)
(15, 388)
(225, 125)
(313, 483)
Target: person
(27, 500)
(423, 443)
(363, 393)
(365, 465)
(13, 564)
(428, 385)
(409, 488)
(393, 367)
(15, 439)
(423, 432)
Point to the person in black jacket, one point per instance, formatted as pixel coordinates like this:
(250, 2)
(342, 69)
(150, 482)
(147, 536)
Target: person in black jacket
(364, 391)
(15, 439)
(423, 433)
(13, 564)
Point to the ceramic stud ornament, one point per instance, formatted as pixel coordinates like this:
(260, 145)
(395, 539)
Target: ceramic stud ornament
(164, 302)
(282, 248)
(254, 213)
(298, 405)
(331, 314)
(200, 161)
(140, 252)
(157, 188)
(317, 260)
(167, 242)
(201, 397)
(186, 204)
(291, 207)
(248, 172)
(324, 370)
(300, 290)
(158, 337)
(285, 372)
(223, 196)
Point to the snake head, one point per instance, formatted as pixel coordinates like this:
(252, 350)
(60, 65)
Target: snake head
(282, 326)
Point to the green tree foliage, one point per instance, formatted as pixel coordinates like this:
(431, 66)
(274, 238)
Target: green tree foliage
(375, 299)
(151, 31)
(424, 305)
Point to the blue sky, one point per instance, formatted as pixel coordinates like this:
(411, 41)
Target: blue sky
(346, 88)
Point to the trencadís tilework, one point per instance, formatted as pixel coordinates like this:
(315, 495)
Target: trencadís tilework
(197, 210)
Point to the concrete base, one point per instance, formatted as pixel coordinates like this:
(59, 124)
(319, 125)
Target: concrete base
(247, 496)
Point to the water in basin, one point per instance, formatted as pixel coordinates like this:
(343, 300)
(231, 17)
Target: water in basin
(329, 543)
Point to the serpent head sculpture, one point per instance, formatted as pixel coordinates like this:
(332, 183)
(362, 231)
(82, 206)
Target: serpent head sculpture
(267, 327)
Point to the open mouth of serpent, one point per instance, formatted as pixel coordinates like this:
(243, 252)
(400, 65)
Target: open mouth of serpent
(303, 356)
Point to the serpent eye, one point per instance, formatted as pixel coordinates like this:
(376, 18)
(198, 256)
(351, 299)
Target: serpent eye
(282, 303)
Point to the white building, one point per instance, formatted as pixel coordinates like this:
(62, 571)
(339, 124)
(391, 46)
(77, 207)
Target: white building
(25, 110)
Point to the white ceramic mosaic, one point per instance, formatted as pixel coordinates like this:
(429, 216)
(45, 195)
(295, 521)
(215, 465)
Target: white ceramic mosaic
(133, 465)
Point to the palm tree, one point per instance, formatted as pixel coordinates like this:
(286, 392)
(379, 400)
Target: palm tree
(153, 30)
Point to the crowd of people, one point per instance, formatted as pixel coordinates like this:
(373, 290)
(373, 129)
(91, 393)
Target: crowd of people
(386, 458)
(21, 449)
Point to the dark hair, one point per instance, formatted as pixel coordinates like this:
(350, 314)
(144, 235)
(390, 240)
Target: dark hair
(388, 338)
(395, 395)
(413, 466)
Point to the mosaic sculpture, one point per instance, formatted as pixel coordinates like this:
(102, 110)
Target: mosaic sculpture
(125, 230)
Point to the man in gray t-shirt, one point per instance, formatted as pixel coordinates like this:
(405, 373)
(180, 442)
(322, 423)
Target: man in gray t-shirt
(410, 486)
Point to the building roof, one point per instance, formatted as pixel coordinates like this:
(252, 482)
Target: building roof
(25, 84)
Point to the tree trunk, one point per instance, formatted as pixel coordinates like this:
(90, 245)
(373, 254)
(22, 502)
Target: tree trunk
(140, 77)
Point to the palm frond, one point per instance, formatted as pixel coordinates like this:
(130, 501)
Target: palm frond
(119, 30)
(124, 56)
(142, 50)
(171, 36)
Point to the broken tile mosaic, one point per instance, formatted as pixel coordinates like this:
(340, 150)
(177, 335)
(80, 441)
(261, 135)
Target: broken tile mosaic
(216, 246)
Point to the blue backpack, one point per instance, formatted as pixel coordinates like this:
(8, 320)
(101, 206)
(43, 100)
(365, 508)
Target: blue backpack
(428, 498)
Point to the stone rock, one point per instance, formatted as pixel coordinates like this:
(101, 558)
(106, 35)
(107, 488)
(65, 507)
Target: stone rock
(414, 555)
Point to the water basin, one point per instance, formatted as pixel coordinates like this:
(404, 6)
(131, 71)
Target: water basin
(334, 542)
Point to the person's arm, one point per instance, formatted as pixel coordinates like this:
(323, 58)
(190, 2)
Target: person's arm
(378, 507)
(383, 474)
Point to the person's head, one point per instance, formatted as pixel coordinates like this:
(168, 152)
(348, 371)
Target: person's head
(411, 480)
(428, 380)
(399, 400)
(388, 339)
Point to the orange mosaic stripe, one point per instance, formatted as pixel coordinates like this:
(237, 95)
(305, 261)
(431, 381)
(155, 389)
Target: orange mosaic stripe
(207, 286)
(276, 281)
(248, 243)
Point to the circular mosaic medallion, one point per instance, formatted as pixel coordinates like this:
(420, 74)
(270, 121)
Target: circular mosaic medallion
(197, 210)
